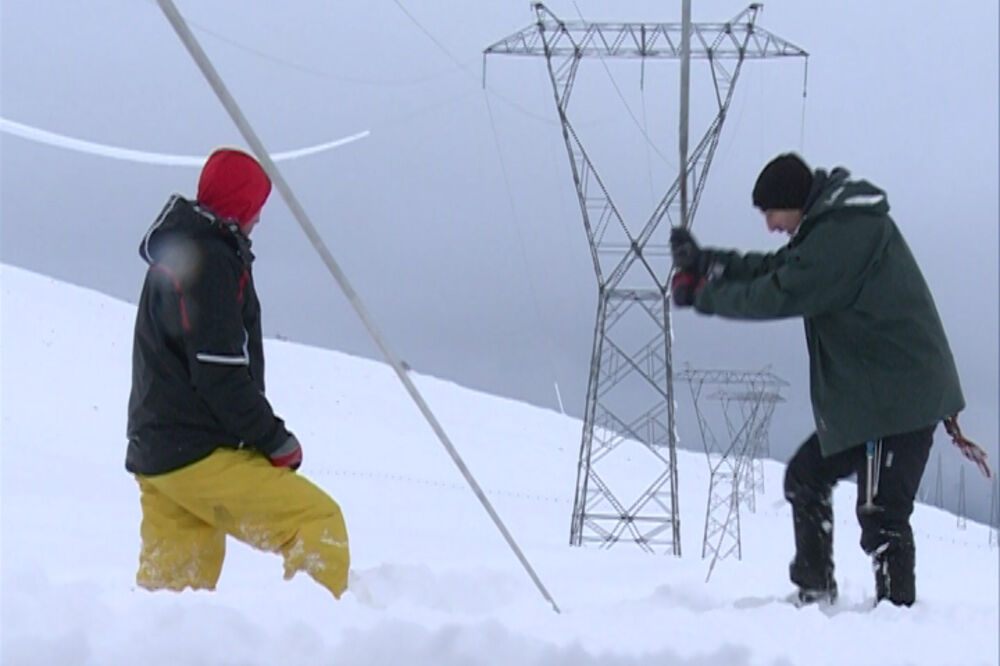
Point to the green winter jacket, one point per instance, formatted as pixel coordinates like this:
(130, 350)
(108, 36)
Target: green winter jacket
(879, 361)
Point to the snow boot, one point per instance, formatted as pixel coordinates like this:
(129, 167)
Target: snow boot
(895, 580)
(826, 596)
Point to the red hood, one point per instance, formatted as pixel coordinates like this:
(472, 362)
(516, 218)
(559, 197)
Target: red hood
(233, 185)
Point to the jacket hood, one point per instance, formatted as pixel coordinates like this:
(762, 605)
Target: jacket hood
(233, 185)
(182, 221)
(835, 191)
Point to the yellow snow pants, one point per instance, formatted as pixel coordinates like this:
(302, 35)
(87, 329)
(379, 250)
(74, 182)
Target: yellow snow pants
(187, 513)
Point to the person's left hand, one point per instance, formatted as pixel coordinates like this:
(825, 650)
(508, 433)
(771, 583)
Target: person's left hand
(289, 454)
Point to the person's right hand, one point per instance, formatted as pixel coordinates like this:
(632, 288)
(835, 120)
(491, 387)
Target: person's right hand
(684, 288)
(684, 250)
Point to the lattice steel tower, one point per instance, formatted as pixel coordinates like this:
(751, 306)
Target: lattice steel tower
(758, 451)
(994, 515)
(938, 485)
(730, 461)
(632, 263)
(961, 513)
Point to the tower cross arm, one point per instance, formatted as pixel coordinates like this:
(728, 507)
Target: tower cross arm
(738, 39)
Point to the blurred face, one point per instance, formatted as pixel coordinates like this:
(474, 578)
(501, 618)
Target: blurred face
(785, 220)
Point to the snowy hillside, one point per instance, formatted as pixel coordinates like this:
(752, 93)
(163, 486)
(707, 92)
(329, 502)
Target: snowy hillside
(447, 589)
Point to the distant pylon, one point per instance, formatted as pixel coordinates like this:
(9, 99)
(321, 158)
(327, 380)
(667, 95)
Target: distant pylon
(961, 499)
(939, 486)
(994, 523)
(728, 462)
(760, 449)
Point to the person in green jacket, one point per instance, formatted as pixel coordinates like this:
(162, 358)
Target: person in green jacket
(881, 371)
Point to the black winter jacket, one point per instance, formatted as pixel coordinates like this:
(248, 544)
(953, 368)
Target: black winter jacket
(197, 358)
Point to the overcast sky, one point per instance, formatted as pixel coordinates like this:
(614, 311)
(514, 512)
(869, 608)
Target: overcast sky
(456, 218)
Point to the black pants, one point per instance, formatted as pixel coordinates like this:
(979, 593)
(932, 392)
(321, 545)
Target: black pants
(885, 533)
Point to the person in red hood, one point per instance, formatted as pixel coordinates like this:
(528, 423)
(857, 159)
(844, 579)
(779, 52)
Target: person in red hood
(210, 455)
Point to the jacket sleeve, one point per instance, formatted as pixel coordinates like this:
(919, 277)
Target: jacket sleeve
(750, 265)
(824, 273)
(219, 359)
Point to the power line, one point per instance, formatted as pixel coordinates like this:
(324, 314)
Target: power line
(628, 108)
(510, 198)
(264, 55)
(430, 36)
(524, 254)
(313, 71)
(802, 124)
(649, 162)
(305, 69)
(444, 49)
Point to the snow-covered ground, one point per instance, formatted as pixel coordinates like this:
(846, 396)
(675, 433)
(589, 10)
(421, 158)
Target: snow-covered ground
(447, 590)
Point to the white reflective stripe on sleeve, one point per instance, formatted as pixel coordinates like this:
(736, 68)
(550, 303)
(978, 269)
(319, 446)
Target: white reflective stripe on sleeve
(833, 196)
(223, 360)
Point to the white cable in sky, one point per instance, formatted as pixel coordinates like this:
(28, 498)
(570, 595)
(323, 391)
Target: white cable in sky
(60, 141)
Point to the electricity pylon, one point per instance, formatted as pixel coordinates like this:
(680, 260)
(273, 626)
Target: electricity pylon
(758, 450)
(938, 485)
(630, 392)
(729, 462)
(961, 512)
(994, 516)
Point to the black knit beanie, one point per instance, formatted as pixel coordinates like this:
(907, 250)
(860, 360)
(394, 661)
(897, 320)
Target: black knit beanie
(783, 184)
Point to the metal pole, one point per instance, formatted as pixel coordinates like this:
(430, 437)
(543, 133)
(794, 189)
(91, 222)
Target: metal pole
(685, 106)
(872, 464)
(685, 223)
(214, 80)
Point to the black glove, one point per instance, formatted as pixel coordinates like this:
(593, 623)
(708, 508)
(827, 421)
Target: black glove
(684, 288)
(684, 250)
(689, 257)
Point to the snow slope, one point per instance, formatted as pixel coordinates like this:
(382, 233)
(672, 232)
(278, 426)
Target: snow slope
(447, 589)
